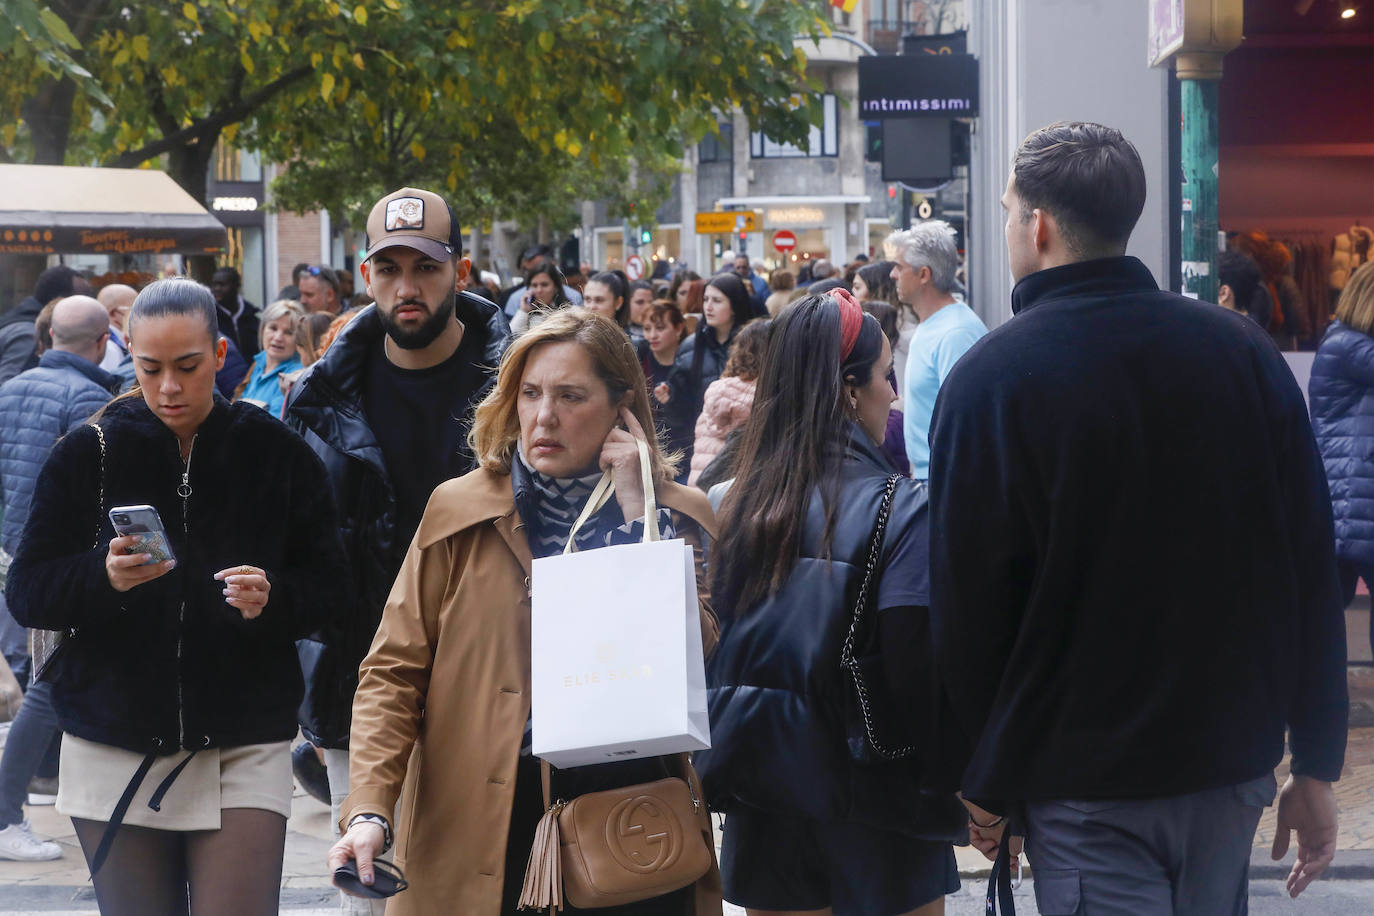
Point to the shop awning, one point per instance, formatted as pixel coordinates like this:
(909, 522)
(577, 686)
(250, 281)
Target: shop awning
(54, 209)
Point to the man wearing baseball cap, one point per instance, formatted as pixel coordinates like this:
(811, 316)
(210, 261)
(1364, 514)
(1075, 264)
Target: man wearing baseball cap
(387, 409)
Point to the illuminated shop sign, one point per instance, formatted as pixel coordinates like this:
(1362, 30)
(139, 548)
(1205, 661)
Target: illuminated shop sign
(915, 86)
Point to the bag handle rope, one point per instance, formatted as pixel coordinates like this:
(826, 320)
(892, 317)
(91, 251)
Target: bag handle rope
(605, 489)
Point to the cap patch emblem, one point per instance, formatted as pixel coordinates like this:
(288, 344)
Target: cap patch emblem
(405, 213)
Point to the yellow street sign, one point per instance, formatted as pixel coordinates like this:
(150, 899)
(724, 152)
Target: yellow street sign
(727, 221)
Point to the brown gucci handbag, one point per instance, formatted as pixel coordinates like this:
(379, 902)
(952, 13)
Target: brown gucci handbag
(620, 846)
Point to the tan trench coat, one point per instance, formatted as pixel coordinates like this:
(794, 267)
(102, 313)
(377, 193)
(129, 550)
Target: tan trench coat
(444, 694)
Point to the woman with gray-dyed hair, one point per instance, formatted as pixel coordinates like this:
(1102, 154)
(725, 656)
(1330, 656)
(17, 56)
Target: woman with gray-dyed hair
(266, 385)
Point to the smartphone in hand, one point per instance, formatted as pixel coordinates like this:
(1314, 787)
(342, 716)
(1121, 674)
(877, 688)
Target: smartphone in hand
(143, 522)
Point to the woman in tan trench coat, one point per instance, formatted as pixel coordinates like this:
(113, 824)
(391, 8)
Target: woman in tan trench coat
(440, 719)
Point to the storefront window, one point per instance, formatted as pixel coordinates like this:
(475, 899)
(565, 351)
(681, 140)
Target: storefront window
(665, 245)
(811, 244)
(878, 231)
(245, 254)
(231, 164)
(611, 248)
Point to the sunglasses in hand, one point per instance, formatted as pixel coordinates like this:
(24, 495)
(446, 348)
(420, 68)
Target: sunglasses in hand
(387, 880)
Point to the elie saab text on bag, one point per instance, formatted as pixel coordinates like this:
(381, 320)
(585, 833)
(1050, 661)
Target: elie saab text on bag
(617, 667)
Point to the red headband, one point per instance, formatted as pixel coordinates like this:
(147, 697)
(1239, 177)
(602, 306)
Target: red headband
(851, 320)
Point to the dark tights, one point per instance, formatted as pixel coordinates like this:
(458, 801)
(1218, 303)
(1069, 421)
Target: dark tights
(233, 871)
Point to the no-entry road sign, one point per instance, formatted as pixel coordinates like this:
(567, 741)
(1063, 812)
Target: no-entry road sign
(784, 240)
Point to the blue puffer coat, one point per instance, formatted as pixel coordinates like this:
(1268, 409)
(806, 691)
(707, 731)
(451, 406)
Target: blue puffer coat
(37, 408)
(1341, 394)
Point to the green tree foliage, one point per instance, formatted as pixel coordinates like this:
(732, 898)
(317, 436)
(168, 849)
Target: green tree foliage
(518, 106)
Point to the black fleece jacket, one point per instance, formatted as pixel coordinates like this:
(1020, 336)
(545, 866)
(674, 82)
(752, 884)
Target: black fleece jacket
(168, 664)
(1133, 574)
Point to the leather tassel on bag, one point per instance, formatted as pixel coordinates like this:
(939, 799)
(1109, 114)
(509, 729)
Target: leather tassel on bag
(543, 889)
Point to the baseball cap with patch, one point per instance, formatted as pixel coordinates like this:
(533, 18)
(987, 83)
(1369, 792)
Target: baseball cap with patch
(414, 219)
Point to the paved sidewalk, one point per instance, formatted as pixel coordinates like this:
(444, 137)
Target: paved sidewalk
(63, 886)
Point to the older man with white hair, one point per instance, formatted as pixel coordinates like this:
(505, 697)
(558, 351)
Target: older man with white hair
(926, 260)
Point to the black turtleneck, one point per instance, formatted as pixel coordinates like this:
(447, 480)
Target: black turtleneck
(1133, 579)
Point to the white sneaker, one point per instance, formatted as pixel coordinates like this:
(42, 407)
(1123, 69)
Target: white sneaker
(18, 844)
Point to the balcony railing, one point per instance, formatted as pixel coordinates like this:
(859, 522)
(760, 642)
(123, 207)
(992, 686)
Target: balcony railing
(886, 34)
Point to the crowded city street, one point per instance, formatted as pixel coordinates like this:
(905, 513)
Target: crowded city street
(687, 457)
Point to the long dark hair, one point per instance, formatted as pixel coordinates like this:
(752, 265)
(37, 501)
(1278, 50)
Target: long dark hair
(740, 312)
(793, 444)
(560, 298)
(881, 287)
(619, 284)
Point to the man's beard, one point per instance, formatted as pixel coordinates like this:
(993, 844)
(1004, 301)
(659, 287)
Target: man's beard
(427, 332)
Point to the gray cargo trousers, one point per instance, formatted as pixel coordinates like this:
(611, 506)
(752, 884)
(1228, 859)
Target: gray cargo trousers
(1182, 855)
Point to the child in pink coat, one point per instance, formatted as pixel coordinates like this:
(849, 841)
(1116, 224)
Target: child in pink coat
(729, 398)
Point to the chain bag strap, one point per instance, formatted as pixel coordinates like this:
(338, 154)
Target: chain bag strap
(45, 644)
(848, 661)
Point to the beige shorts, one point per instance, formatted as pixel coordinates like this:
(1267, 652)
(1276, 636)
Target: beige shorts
(92, 777)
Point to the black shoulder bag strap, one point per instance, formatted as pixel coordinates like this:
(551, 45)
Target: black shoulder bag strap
(867, 588)
(45, 644)
(999, 880)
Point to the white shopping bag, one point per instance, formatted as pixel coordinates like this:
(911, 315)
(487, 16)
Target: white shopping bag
(617, 665)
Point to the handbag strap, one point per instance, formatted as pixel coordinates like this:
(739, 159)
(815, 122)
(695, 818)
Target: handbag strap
(100, 516)
(856, 620)
(689, 776)
(605, 489)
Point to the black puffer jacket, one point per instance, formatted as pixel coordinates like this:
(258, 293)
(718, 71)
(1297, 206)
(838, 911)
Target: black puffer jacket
(326, 407)
(168, 664)
(782, 720)
(699, 374)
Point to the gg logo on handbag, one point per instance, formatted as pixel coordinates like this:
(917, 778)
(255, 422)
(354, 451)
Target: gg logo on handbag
(619, 846)
(643, 836)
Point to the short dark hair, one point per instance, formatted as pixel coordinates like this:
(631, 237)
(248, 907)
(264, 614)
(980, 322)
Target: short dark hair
(537, 251)
(1239, 271)
(1089, 177)
(299, 269)
(55, 282)
(229, 272)
(1242, 274)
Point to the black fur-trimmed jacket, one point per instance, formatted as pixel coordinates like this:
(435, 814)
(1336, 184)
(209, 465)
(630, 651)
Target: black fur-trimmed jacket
(168, 664)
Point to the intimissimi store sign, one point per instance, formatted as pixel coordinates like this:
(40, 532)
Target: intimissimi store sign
(915, 86)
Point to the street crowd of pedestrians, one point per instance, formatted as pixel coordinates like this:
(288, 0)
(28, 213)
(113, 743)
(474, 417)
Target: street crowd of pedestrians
(1073, 584)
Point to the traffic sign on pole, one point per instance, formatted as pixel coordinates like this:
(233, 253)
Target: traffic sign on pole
(634, 267)
(784, 240)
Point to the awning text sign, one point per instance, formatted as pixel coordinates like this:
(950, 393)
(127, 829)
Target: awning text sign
(918, 86)
(72, 240)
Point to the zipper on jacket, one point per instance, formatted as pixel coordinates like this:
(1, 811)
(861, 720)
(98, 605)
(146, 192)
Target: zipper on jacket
(184, 491)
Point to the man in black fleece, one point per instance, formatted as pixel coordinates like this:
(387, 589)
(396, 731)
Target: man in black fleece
(1133, 579)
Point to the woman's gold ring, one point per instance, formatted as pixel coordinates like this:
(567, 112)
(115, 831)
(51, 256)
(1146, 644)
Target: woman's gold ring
(245, 569)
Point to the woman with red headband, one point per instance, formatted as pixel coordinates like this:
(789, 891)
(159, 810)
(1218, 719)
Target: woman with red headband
(819, 726)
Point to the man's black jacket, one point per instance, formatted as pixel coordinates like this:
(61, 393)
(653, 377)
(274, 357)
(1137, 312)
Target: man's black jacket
(1133, 573)
(326, 407)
